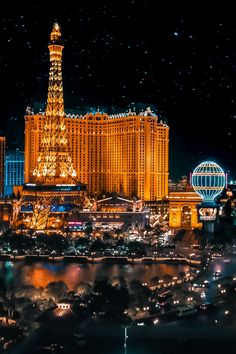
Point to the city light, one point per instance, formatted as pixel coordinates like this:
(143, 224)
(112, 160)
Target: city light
(208, 180)
(101, 238)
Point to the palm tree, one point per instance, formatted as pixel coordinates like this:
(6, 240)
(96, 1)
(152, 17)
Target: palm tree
(83, 289)
(154, 280)
(181, 275)
(167, 278)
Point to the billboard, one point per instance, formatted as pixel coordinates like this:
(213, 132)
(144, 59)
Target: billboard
(207, 213)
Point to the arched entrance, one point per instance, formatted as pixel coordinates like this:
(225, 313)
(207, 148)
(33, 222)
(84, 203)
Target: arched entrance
(186, 216)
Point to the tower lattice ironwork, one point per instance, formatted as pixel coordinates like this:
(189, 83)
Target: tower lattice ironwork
(54, 161)
(53, 181)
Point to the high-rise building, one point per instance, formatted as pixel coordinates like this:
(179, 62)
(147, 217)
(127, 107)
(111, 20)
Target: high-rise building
(2, 158)
(125, 153)
(14, 170)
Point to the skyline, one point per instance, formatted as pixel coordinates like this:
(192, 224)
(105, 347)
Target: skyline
(184, 69)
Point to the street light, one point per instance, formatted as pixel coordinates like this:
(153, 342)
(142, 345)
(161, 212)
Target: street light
(125, 339)
(155, 255)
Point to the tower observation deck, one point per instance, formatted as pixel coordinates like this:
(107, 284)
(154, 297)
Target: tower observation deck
(53, 180)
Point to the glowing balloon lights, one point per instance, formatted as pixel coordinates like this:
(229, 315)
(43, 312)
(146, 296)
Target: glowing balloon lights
(208, 180)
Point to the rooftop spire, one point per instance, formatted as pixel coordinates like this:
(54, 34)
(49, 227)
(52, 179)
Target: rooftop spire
(55, 37)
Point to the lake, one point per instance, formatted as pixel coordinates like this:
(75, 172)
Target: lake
(39, 274)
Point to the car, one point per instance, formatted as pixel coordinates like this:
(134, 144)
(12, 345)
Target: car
(216, 255)
(184, 311)
(207, 307)
(169, 245)
(216, 274)
(196, 246)
(140, 323)
(206, 284)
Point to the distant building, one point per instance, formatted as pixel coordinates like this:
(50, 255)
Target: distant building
(6, 211)
(14, 170)
(113, 210)
(181, 185)
(2, 158)
(228, 201)
(158, 207)
(118, 204)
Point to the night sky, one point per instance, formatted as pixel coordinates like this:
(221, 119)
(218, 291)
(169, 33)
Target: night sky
(121, 54)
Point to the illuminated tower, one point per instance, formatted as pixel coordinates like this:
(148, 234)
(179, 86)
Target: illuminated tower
(52, 185)
(54, 163)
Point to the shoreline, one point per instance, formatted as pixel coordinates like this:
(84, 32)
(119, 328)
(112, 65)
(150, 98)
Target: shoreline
(104, 259)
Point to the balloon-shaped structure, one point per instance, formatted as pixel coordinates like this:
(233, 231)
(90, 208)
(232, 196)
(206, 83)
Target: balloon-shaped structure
(208, 180)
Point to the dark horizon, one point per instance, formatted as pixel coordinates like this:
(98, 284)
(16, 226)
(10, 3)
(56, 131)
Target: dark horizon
(180, 62)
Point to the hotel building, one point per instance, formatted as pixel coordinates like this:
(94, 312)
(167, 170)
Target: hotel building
(126, 153)
(14, 170)
(2, 159)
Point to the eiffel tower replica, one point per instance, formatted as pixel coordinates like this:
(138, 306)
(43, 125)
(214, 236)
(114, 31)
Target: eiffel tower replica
(53, 181)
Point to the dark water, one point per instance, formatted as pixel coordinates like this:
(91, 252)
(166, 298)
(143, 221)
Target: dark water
(149, 340)
(39, 274)
(189, 336)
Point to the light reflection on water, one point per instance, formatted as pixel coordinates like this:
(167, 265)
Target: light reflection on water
(39, 274)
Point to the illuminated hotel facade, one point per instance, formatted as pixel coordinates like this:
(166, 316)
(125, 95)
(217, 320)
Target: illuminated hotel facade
(125, 153)
(2, 159)
(14, 170)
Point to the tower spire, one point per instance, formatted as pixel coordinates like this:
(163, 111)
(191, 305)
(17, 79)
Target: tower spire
(54, 163)
(54, 177)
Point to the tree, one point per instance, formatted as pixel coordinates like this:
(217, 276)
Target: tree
(179, 235)
(167, 278)
(111, 301)
(139, 293)
(97, 246)
(137, 248)
(227, 209)
(58, 241)
(118, 232)
(83, 289)
(120, 242)
(82, 242)
(106, 235)
(89, 228)
(56, 290)
(155, 280)
(3, 287)
(181, 275)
